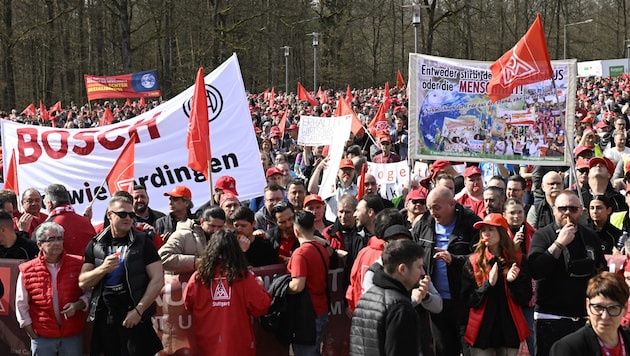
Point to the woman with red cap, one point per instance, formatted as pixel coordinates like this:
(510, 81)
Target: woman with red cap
(495, 285)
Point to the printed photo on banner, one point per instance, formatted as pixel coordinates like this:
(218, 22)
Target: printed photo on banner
(451, 114)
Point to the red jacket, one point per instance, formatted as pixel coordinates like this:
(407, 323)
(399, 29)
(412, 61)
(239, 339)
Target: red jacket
(78, 229)
(475, 315)
(38, 283)
(221, 314)
(366, 257)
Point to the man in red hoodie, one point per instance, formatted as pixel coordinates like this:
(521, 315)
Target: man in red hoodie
(51, 307)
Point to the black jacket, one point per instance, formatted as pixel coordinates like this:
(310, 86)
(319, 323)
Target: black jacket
(561, 283)
(385, 322)
(608, 236)
(584, 342)
(544, 214)
(460, 245)
(617, 201)
(23, 248)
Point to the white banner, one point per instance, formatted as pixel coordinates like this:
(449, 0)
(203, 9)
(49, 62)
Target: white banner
(390, 177)
(338, 134)
(80, 158)
(319, 131)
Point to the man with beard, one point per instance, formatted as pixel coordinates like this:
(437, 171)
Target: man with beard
(345, 184)
(296, 192)
(493, 200)
(472, 194)
(179, 205)
(144, 214)
(541, 214)
(563, 256)
(366, 210)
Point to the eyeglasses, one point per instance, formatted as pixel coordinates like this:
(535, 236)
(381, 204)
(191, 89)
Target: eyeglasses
(53, 239)
(419, 201)
(564, 209)
(125, 214)
(612, 310)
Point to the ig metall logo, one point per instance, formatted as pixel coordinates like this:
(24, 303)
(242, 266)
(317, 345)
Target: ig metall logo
(214, 100)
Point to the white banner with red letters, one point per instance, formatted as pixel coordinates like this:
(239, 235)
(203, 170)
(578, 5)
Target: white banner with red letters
(81, 158)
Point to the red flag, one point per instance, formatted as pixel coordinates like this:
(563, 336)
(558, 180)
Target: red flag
(379, 123)
(55, 108)
(400, 82)
(321, 95)
(527, 62)
(107, 118)
(30, 110)
(121, 176)
(272, 98)
(343, 108)
(266, 94)
(304, 95)
(128, 102)
(11, 180)
(349, 94)
(198, 137)
(43, 113)
(142, 102)
(361, 187)
(283, 123)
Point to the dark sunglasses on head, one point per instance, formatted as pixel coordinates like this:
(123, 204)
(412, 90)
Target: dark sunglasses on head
(564, 209)
(419, 201)
(125, 214)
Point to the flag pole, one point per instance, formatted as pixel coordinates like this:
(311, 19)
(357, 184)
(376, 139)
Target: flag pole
(210, 182)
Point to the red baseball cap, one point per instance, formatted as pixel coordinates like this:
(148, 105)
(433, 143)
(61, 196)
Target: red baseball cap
(227, 196)
(608, 163)
(581, 163)
(346, 163)
(579, 149)
(273, 170)
(493, 219)
(226, 184)
(415, 194)
(602, 124)
(471, 171)
(313, 198)
(179, 191)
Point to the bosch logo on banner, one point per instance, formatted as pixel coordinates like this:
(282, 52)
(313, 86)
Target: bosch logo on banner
(215, 103)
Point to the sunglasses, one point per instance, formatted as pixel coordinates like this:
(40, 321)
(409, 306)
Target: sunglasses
(583, 170)
(419, 201)
(53, 239)
(564, 209)
(125, 214)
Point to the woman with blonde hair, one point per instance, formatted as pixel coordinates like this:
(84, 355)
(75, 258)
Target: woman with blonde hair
(495, 285)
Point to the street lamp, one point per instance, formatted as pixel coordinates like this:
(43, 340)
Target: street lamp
(286, 69)
(315, 44)
(628, 56)
(565, 33)
(415, 20)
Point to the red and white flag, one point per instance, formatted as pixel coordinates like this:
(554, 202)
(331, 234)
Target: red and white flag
(121, 176)
(527, 62)
(107, 118)
(29, 111)
(11, 180)
(304, 95)
(198, 137)
(379, 123)
(43, 113)
(55, 108)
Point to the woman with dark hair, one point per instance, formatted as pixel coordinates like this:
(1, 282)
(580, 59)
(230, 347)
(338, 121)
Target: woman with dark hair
(599, 211)
(308, 267)
(606, 303)
(222, 296)
(495, 285)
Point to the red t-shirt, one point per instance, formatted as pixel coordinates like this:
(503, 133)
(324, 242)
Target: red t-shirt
(307, 262)
(286, 247)
(475, 205)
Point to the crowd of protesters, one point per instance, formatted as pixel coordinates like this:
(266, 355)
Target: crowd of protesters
(473, 258)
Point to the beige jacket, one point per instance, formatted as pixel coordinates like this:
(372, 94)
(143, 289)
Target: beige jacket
(185, 245)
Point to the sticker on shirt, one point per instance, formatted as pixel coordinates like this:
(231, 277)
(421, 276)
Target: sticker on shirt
(220, 294)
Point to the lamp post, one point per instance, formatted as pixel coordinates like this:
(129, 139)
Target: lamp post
(565, 33)
(415, 20)
(628, 56)
(286, 69)
(315, 44)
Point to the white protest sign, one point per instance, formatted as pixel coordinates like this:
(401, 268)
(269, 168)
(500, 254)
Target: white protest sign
(390, 177)
(338, 137)
(81, 158)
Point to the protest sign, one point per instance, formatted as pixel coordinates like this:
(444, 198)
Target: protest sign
(451, 114)
(134, 85)
(81, 158)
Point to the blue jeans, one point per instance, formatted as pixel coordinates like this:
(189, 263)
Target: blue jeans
(313, 350)
(66, 346)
